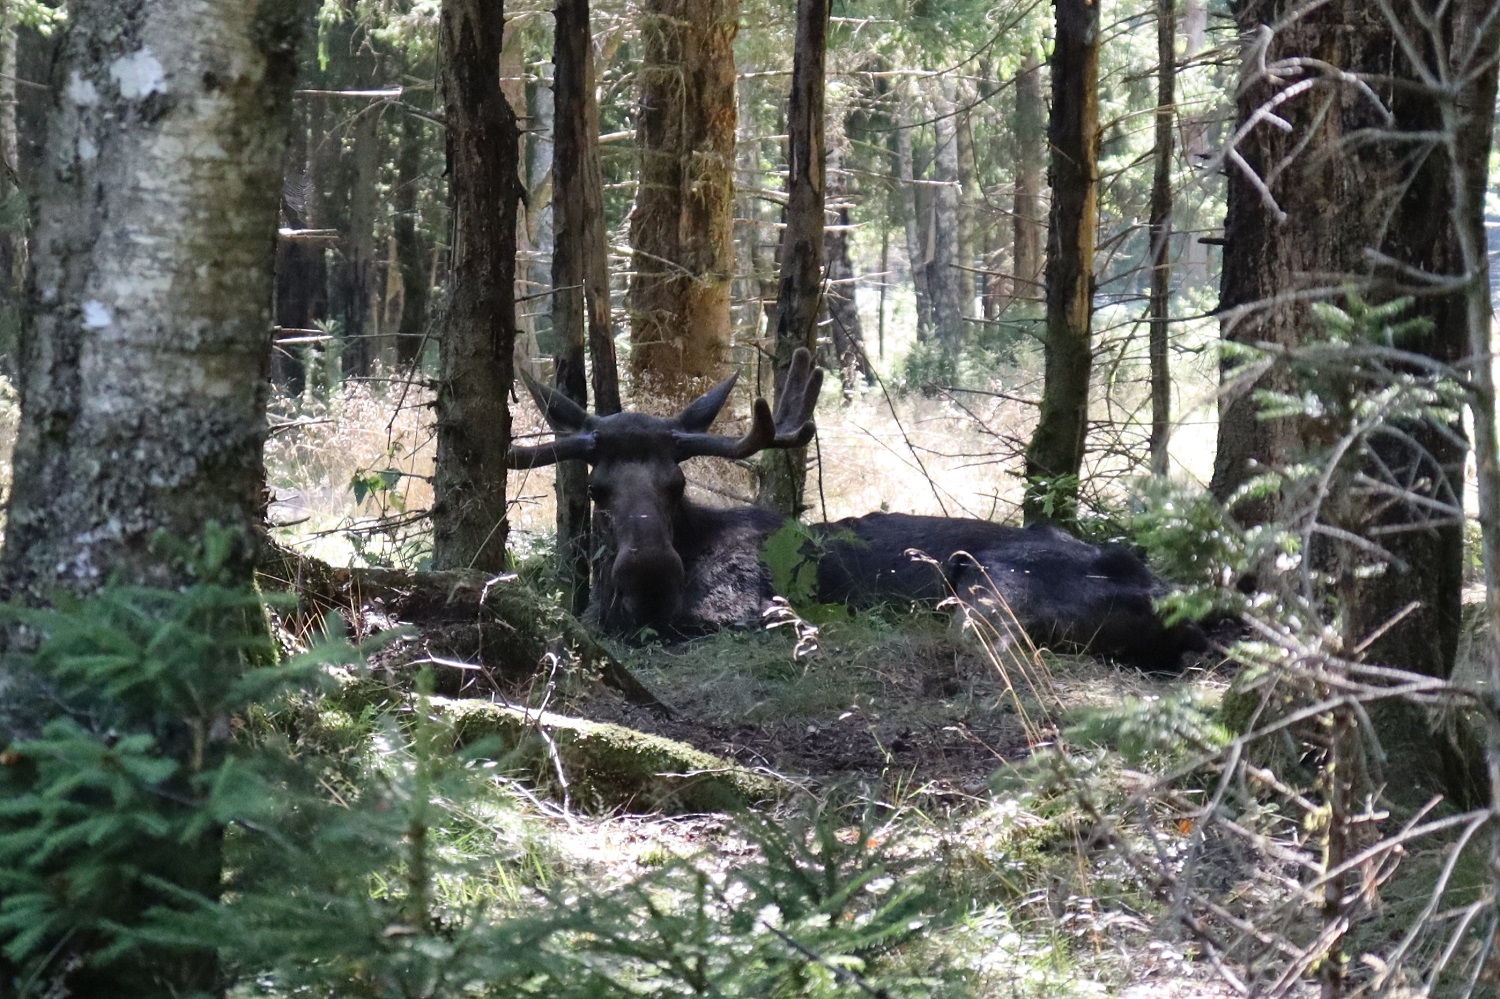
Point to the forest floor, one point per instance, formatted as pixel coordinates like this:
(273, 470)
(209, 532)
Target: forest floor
(931, 731)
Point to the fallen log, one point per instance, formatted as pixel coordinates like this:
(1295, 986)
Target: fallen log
(603, 767)
(478, 633)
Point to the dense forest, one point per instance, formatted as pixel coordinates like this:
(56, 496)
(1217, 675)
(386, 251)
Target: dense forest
(717, 498)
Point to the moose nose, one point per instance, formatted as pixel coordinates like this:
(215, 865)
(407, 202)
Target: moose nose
(650, 580)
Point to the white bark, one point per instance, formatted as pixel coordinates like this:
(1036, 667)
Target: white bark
(143, 375)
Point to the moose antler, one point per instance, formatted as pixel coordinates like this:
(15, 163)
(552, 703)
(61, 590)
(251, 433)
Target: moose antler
(790, 426)
(562, 414)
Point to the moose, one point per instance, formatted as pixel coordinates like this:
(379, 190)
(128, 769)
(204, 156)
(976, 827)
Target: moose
(679, 567)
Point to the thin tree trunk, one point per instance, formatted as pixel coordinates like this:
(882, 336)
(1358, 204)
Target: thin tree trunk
(1027, 214)
(845, 329)
(351, 293)
(143, 368)
(1055, 455)
(799, 301)
(528, 349)
(12, 233)
(944, 280)
(578, 196)
(912, 216)
(682, 224)
(413, 248)
(301, 273)
(478, 337)
(1193, 268)
(967, 245)
(539, 209)
(1161, 233)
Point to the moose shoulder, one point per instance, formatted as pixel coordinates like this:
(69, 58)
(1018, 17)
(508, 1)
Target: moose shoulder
(679, 567)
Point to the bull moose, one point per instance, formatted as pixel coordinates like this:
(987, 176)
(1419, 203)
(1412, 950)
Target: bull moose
(679, 567)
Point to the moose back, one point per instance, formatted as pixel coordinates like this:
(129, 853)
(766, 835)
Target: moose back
(679, 567)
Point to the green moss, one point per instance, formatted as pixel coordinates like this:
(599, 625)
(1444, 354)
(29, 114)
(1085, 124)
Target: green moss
(606, 766)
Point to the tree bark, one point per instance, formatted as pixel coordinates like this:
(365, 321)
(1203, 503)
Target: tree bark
(577, 251)
(845, 329)
(1306, 209)
(783, 472)
(12, 217)
(413, 247)
(1160, 229)
(1435, 224)
(944, 281)
(968, 242)
(478, 338)
(1055, 455)
(1028, 209)
(352, 208)
(539, 208)
(682, 222)
(1193, 266)
(139, 414)
(143, 367)
(912, 217)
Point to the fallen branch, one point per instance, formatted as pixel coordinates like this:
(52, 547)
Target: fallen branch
(507, 632)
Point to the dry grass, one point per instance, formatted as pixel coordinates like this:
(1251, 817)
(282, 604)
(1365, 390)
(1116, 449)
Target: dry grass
(956, 454)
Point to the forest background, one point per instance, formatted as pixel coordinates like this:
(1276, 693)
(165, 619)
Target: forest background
(1212, 278)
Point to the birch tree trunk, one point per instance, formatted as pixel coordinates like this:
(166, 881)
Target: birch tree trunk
(142, 373)
(479, 330)
(143, 368)
(12, 220)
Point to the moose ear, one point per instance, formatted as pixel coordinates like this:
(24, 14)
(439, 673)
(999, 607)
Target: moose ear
(563, 414)
(701, 412)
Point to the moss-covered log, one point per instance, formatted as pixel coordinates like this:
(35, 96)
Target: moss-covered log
(605, 767)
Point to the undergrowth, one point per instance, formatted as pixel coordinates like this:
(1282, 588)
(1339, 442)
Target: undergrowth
(358, 854)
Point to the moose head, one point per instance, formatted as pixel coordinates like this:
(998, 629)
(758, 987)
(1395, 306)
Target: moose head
(636, 481)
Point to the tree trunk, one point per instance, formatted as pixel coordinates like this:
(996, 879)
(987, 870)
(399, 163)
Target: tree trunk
(12, 216)
(540, 212)
(1031, 138)
(413, 247)
(967, 241)
(354, 196)
(1055, 455)
(1431, 212)
(845, 330)
(944, 282)
(578, 249)
(1344, 185)
(1160, 229)
(1193, 267)
(800, 298)
(682, 224)
(513, 74)
(355, 273)
(912, 216)
(143, 367)
(478, 337)
(301, 278)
